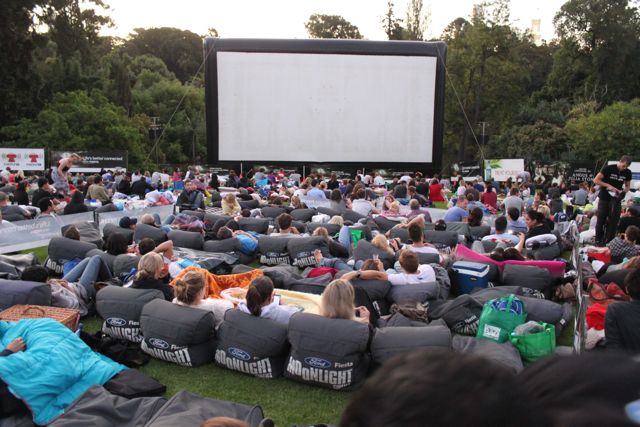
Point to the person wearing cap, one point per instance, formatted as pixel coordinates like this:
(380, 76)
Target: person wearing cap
(128, 222)
(44, 190)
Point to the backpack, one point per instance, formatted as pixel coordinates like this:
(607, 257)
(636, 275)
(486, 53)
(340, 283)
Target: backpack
(118, 350)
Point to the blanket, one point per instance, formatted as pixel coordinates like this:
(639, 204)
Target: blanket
(556, 268)
(54, 370)
(216, 284)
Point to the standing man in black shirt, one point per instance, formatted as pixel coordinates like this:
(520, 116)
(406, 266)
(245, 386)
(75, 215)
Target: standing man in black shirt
(614, 182)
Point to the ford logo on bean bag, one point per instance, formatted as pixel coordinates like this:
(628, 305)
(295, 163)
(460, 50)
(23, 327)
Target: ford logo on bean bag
(239, 354)
(158, 343)
(316, 362)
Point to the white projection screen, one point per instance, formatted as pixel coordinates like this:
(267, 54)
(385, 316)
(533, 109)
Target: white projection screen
(349, 102)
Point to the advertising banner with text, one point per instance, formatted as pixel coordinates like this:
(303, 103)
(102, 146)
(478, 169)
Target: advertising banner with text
(26, 159)
(94, 160)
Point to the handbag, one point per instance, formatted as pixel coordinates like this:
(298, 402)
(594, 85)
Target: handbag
(606, 294)
(499, 318)
(536, 345)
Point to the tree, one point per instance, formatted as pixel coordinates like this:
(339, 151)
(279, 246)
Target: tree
(392, 25)
(331, 27)
(417, 21)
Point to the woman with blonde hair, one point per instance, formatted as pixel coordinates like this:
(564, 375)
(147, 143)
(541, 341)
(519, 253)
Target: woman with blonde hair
(190, 291)
(381, 242)
(337, 302)
(151, 269)
(230, 205)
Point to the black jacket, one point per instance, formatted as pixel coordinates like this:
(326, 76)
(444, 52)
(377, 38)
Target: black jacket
(138, 188)
(621, 326)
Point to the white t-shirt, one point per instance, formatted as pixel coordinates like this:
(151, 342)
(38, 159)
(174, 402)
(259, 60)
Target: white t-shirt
(378, 180)
(363, 207)
(405, 178)
(367, 179)
(425, 274)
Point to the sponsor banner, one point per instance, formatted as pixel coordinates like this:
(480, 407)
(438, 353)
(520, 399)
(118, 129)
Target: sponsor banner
(503, 169)
(546, 172)
(468, 169)
(94, 160)
(582, 172)
(26, 159)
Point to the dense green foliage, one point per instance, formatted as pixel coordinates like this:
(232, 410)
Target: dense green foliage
(575, 97)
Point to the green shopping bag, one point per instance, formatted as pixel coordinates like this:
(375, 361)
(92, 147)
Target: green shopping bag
(535, 346)
(356, 236)
(499, 318)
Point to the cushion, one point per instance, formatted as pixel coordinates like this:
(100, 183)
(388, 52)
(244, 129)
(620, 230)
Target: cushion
(62, 249)
(178, 334)
(21, 292)
(504, 354)
(186, 239)
(110, 228)
(332, 229)
(301, 250)
(145, 230)
(441, 238)
(252, 345)
(617, 276)
(326, 352)
(420, 292)
(304, 215)
(258, 225)
(227, 245)
(124, 263)
(365, 250)
(387, 342)
(121, 308)
(89, 232)
(273, 250)
(272, 212)
(527, 276)
(351, 215)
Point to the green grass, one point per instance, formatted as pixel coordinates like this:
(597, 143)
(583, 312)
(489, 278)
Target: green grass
(285, 401)
(41, 253)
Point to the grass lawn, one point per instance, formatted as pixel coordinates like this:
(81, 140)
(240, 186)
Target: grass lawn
(283, 400)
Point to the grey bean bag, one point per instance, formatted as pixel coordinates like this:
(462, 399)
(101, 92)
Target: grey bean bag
(478, 232)
(387, 342)
(121, 309)
(459, 228)
(252, 345)
(401, 233)
(107, 208)
(89, 232)
(186, 239)
(271, 212)
(301, 250)
(274, 250)
(420, 292)
(332, 229)
(442, 238)
(281, 274)
(330, 353)
(365, 250)
(328, 211)
(182, 335)
(249, 204)
(375, 289)
(227, 245)
(461, 314)
(503, 354)
(197, 214)
(547, 253)
(145, 230)
(304, 215)
(309, 285)
(258, 225)
(12, 266)
(528, 276)
(351, 215)
(108, 258)
(62, 250)
(384, 224)
(110, 229)
(210, 218)
(21, 292)
(617, 276)
(124, 263)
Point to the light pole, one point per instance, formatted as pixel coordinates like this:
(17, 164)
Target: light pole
(155, 127)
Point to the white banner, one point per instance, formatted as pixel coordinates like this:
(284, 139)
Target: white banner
(26, 159)
(503, 169)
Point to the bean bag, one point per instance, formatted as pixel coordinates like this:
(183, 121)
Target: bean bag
(528, 276)
(385, 224)
(400, 233)
(257, 225)
(108, 258)
(332, 229)
(89, 232)
(249, 204)
(210, 218)
(556, 268)
(217, 283)
(186, 239)
(188, 409)
(252, 345)
(328, 211)
(281, 274)
(365, 250)
(478, 232)
(618, 277)
(301, 250)
(547, 253)
(441, 238)
(121, 308)
(178, 334)
(145, 230)
(423, 258)
(461, 228)
(330, 353)
(273, 250)
(123, 264)
(387, 342)
(300, 226)
(375, 289)
(461, 315)
(304, 215)
(12, 266)
(310, 285)
(420, 292)
(197, 214)
(350, 215)
(61, 250)
(110, 207)
(272, 212)
(227, 245)
(110, 229)
(504, 354)
(21, 292)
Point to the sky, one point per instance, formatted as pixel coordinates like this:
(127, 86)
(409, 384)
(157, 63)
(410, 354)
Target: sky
(286, 18)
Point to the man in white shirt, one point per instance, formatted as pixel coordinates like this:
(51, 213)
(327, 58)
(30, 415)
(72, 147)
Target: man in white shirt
(501, 236)
(412, 272)
(378, 181)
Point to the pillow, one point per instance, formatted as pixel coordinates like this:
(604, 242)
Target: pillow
(121, 308)
(257, 225)
(365, 250)
(145, 230)
(110, 229)
(388, 342)
(273, 250)
(527, 276)
(21, 292)
(304, 215)
(252, 345)
(420, 292)
(186, 239)
(301, 250)
(182, 335)
(330, 353)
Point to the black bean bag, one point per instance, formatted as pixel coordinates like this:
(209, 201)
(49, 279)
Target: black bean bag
(61, 250)
(385, 224)
(390, 341)
(300, 226)
(420, 292)
(107, 208)
(281, 274)
(89, 232)
(330, 353)
(145, 230)
(210, 218)
(459, 228)
(186, 239)
(618, 277)
(252, 345)
(332, 229)
(304, 215)
(121, 308)
(108, 258)
(257, 225)
(271, 212)
(21, 292)
(527, 276)
(110, 229)
(249, 204)
(227, 245)
(274, 250)
(441, 238)
(400, 233)
(328, 211)
(504, 354)
(309, 285)
(123, 264)
(301, 250)
(365, 250)
(351, 215)
(197, 214)
(178, 334)
(478, 232)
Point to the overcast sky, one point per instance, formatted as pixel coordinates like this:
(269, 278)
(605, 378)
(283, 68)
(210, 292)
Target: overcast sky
(286, 18)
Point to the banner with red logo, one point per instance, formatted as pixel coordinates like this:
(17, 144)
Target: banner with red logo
(26, 159)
